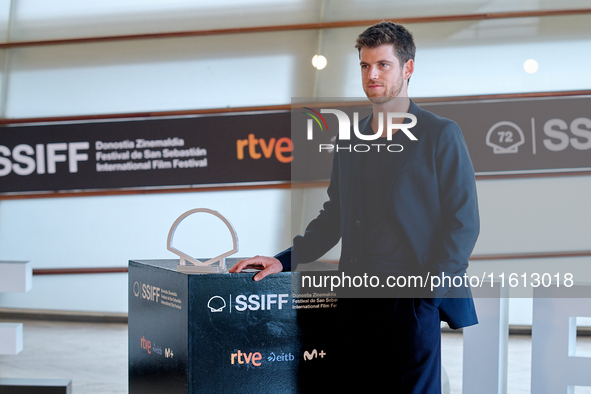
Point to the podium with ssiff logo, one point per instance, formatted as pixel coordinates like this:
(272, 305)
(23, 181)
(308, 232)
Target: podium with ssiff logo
(215, 332)
(225, 333)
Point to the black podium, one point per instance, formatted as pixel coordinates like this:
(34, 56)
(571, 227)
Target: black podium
(225, 333)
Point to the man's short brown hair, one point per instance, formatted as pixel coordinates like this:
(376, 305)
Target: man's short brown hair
(389, 33)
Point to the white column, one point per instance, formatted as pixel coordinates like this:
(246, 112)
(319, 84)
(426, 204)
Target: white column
(555, 367)
(11, 338)
(485, 344)
(15, 277)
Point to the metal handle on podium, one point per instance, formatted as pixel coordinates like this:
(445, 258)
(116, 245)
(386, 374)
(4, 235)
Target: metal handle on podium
(190, 264)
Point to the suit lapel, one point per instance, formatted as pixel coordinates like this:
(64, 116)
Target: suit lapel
(416, 111)
(355, 162)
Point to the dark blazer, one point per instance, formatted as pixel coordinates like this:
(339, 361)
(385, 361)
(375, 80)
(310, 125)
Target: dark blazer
(433, 206)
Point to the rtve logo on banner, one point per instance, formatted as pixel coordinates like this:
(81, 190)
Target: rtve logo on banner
(281, 147)
(506, 137)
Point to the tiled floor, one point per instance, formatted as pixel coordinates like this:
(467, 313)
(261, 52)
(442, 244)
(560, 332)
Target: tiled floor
(94, 356)
(519, 362)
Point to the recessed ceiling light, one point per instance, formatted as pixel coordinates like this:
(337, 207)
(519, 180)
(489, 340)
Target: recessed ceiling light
(530, 66)
(319, 62)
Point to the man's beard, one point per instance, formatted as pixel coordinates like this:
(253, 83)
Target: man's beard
(389, 95)
(380, 99)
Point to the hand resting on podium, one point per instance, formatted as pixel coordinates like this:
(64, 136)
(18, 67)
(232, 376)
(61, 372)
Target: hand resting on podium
(267, 265)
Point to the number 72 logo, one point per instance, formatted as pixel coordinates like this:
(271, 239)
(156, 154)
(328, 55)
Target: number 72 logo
(505, 137)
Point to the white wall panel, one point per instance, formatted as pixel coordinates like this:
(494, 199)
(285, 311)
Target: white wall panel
(498, 68)
(337, 10)
(474, 58)
(4, 18)
(160, 75)
(109, 231)
(86, 293)
(534, 215)
(42, 20)
(3, 76)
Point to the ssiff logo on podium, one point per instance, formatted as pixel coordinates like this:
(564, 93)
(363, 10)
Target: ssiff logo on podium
(252, 302)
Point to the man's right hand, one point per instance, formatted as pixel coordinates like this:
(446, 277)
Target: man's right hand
(267, 265)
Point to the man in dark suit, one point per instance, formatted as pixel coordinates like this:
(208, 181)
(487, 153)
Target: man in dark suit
(412, 212)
